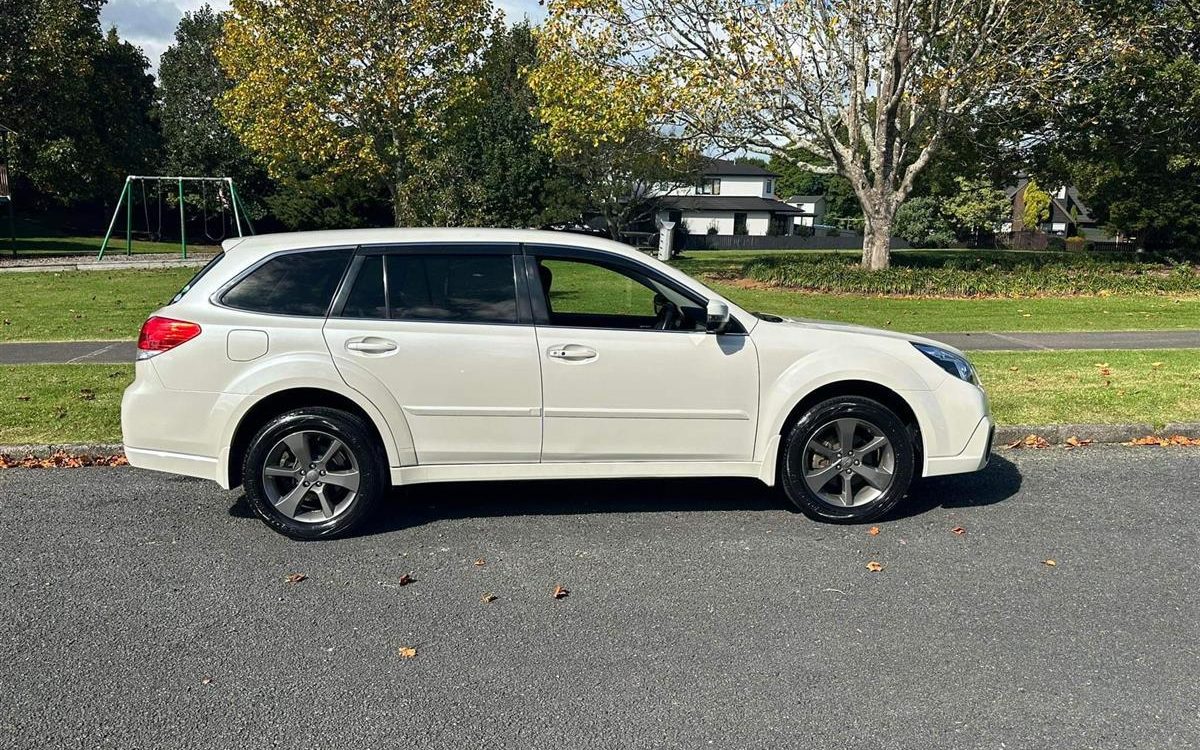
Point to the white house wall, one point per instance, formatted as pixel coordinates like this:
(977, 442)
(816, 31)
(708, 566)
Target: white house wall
(698, 222)
(751, 187)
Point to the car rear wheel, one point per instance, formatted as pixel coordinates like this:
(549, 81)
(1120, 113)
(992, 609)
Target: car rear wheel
(314, 473)
(847, 460)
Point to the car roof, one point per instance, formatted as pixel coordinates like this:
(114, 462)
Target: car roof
(251, 248)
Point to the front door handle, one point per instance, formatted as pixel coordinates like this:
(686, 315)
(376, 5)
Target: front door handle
(571, 353)
(371, 345)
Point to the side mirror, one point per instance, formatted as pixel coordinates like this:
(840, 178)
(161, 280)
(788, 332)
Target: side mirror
(716, 316)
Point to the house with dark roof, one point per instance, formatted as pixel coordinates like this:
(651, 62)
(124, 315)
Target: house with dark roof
(731, 199)
(1069, 215)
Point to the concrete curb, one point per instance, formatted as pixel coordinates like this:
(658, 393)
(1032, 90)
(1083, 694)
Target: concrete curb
(78, 449)
(1097, 433)
(1055, 434)
(115, 265)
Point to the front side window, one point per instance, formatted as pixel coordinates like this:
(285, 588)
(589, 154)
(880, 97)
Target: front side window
(586, 294)
(291, 284)
(709, 186)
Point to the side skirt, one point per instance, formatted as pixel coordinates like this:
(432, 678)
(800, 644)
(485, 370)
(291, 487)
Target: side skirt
(405, 475)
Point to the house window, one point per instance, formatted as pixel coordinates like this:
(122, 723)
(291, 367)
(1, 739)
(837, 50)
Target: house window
(768, 188)
(739, 223)
(709, 186)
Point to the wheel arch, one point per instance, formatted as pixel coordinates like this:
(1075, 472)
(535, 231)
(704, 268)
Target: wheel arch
(875, 391)
(279, 402)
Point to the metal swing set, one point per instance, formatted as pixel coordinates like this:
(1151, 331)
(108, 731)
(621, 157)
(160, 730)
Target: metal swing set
(227, 199)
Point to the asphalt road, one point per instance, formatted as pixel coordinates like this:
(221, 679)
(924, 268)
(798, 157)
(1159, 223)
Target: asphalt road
(119, 352)
(143, 611)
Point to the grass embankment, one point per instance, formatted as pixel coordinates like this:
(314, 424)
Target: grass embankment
(81, 403)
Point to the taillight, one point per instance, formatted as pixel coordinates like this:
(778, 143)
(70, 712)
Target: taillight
(160, 334)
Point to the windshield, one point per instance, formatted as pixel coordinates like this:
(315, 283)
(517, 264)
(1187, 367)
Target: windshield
(199, 275)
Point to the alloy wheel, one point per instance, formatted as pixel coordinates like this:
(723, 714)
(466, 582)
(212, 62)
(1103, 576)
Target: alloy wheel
(848, 462)
(311, 476)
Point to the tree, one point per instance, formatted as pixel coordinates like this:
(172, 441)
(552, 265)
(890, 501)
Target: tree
(1037, 206)
(196, 141)
(603, 131)
(352, 88)
(494, 169)
(867, 89)
(923, 223)
(82, 102)
(977, 206)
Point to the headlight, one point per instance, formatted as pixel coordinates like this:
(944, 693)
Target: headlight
(954, 364)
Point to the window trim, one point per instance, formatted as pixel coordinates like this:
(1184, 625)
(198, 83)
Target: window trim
(458, 249)
(541, 315)
(217, 298)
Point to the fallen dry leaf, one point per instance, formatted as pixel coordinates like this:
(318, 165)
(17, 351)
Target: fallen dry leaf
(60, 460)
(958, 530)
(1105, 371)
(1073, 442)
(480, 563)
(406, 652)
(87, 394)
(1156, 365)
(1014, 369)
(23, 398)
(1050, 563)
(873, 531)
(295, 577)
(488, 597)
(407, 579)
(206, 680)
(1155, 440)
(560, 592)
(1031, 441)
(874, 567)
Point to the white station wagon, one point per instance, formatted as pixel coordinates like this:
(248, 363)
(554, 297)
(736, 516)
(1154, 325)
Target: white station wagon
(318, 369)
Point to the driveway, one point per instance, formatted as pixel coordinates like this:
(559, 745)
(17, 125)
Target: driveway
(144, 611)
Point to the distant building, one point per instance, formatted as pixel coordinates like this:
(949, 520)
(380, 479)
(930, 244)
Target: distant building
(1069, 215)
(733, 199)
(813, 207)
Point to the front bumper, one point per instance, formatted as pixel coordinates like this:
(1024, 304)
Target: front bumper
(973, 458)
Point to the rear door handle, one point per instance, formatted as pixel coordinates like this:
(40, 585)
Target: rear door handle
(571, 353)
(371, 345)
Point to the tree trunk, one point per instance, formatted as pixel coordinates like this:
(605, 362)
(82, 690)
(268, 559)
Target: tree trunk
(877, 239)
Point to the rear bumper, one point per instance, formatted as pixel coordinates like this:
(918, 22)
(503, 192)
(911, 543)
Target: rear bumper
(973, 458)
(202, 467)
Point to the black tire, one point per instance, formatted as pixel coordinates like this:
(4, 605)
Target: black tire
(874, 420)
(362, 454)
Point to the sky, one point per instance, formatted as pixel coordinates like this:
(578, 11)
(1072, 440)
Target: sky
(150, 24)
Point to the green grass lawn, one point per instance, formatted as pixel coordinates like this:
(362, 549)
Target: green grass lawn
(81, 403)
(80, 305)
(1099, 387)
(61, 403)
(72, 306)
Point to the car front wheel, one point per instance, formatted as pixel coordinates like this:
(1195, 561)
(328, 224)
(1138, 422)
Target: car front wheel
(314, 473)
(847, 460)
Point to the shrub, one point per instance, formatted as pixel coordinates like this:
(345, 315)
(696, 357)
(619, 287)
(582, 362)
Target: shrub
(1076, 244)
(994, 274)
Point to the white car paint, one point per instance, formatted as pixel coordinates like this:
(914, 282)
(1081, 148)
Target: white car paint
(477, 401)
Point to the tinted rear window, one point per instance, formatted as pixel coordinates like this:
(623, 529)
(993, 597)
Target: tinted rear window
(460, 288)
(291, 284)
(199, 275)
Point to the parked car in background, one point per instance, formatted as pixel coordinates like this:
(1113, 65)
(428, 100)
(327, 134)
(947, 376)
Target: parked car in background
(316, 370)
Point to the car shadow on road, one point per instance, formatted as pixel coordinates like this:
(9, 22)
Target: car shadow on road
(422, 504)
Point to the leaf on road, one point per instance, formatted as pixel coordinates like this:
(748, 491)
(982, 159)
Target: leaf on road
(873, 531)
(480, 563)
(1030, 441)
(1050, 563)
(295, 577)
(206, 680)
(1155, 440)
(1073, 442)
(488, 597)
(59, 460)
(874, 567)
(407, 579)
(560, 592)
(406, 652)
(958, 530)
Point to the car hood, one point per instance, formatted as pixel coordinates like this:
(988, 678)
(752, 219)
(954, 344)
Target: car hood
(827, 325)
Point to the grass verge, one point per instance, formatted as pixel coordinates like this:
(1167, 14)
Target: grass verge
(81, 403)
